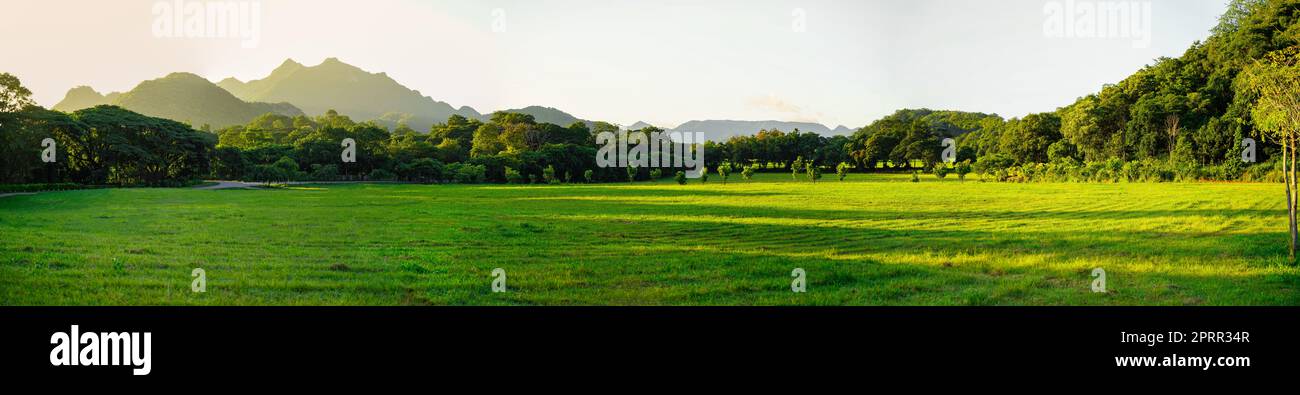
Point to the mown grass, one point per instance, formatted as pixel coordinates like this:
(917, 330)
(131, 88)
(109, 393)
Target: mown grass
(872, 240)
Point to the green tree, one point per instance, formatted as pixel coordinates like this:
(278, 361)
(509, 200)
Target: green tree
(680, 177)
(724, 171)
(842, 170)
(748, 173)
(1276, 79)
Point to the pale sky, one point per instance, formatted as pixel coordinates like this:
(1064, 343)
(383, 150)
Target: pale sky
(660, 61)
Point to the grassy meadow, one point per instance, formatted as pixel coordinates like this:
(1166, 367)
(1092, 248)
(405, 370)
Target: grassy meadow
(870, 240)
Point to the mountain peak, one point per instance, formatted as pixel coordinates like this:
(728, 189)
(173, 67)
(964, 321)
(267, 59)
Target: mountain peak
(288, 66)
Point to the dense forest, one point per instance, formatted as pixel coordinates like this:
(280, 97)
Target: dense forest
(1178, 119)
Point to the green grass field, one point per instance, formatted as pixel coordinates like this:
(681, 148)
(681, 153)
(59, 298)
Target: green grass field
(872, 240)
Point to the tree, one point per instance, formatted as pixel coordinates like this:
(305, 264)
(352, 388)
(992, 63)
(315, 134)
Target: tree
(588, 175)
(548, 174)
(963, 168)
(747, 173)
(796, 167)
(1276, 79)
(680, 177)
(631, 173)
(704, 175)
(656, 174)
(513, 176)
(13, 96)
(842, 170)
(724, 171)
(814, 173)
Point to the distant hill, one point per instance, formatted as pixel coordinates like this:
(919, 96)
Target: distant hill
(361, 95)
(545, 115)
(181, 97)
(721, 130)
(639, 125)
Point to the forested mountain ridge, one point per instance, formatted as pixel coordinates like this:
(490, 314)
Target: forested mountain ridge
(335, 85)
(1191, 109)
(182, 97)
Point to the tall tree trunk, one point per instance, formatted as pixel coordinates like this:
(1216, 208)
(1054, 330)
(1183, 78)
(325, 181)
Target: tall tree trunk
(1288, 168)
(1292, 195)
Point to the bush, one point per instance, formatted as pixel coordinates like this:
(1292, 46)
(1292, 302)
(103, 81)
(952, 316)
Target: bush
(916, 176)
(467, 174)
(513, 176)
(747, 173)
(589, 175)
(548, 174)
(704, 174)
(324, 172)
(381, 175)
(963, 169)
(680, 177)
(941, 170)
(656, 174)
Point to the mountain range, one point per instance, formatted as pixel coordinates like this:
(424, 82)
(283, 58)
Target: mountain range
(181, 97)
(359, 94)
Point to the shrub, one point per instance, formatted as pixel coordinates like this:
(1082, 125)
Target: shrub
(381, 175)
(747, 173)
(814, 173)
(796, 167)
(680, 177)
(589, 176)
(513, 176)
(656, 174)
(940, 170)
(631, 173)
(548, 174)
(324, 172)
(916, 176)
(963, 169)
(724, 171)
(704, 174)
(466, 173)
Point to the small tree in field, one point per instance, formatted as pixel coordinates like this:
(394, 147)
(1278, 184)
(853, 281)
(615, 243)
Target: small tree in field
(941, 170)
(631, 173)
(656, 174)
(724, 171)
(796, 167)
(963, 169)
(548, 174)
(704, 174)
(748, 173)
(814, 172)
(1276, 78)
(916, 176)
(842, 170)
(680, 178)
(589, 176)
